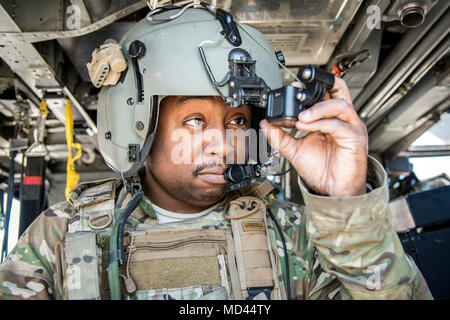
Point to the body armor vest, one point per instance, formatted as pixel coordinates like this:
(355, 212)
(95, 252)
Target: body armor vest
(225, 254)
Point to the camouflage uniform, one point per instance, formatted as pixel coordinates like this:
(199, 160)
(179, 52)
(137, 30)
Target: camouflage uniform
(338, 248)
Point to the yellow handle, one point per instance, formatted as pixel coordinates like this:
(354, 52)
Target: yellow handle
(72, 175)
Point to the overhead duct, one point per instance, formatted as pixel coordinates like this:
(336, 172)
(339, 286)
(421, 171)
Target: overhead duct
(399, 53)
(412, 14)
(394, 79)
(392, 104)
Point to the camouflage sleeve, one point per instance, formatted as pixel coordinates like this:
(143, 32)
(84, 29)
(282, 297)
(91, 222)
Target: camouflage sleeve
(29, 270)
(357, 244)
(307, 280)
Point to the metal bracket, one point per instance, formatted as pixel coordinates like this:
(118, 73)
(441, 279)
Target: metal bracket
(137, 50)
(18, 145)
(244, 85)
(230, 29)
(133, 152)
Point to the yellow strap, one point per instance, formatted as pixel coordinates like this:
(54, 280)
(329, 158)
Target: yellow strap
(72, 175)
(43, 108)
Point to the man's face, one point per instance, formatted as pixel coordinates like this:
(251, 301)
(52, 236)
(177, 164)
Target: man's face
(190, 151)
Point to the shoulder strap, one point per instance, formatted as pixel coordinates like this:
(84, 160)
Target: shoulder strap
(95, 205)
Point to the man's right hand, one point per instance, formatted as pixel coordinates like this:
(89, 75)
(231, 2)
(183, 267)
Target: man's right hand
(332, 158)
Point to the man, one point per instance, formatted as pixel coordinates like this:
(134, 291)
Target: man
(187, 238)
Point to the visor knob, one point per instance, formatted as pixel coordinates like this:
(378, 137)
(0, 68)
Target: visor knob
(235, 173)
(136, 49)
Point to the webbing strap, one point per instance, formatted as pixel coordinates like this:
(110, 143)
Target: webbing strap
(72, 175)
(43, 108)
(32, 198)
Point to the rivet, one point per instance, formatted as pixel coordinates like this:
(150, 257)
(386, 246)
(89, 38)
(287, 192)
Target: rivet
(307, 73)
(301, 96)
(139, 125)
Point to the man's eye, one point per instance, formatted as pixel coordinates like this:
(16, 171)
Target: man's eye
(239, 121)
(195, 122)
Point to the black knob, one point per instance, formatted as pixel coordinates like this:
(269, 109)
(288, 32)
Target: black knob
(136, 49)
(280, 57)
(235, 173)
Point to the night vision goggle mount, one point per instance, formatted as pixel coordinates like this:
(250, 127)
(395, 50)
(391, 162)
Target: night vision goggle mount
(282, 105)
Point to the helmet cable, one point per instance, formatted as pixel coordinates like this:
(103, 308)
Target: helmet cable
(172, 17)
(216, 84)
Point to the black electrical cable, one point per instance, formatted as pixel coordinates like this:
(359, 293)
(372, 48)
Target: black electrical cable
(215, 84)
(2, 207)
(286, 259)
(132, 205)
(280, 174)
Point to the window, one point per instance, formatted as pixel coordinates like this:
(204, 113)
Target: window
(430, 153)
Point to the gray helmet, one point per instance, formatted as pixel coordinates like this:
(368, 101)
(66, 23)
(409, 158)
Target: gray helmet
(163, 59)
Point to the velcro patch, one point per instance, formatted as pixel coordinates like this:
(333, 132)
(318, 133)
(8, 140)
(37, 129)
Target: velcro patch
(175, 273)
(253, 226)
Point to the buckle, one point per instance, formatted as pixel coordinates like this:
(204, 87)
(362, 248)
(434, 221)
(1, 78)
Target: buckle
(99, 217)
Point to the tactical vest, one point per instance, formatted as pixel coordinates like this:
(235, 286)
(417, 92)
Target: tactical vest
(225, 254)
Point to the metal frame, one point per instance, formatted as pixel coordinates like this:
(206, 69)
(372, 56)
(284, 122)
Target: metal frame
(38, 75)
(427, 151)
(397, 55)
(18, 37)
